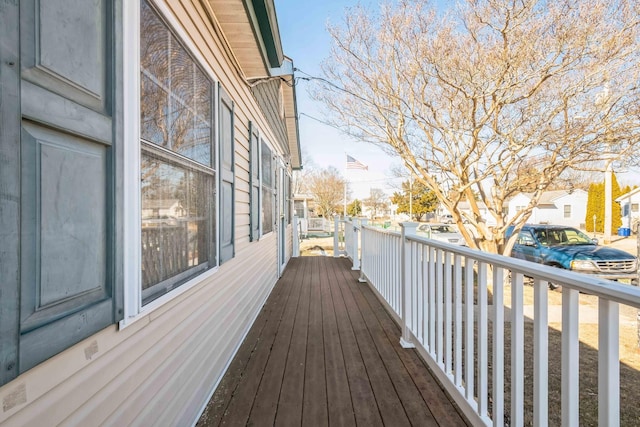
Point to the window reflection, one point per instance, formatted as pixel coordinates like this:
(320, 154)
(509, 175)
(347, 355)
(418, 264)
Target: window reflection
(267, 189)
(267, 210)
(175, 94)
(176, 219)
(267, 172)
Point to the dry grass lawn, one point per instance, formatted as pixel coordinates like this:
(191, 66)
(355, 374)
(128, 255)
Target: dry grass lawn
(316, 246)
(629, 362)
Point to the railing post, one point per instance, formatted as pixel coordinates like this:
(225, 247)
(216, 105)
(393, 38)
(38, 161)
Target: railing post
(362, 278)
(570, 383)
(296, 237)
(408, 229)
(354, 254)
(336, 232)
(608, 363)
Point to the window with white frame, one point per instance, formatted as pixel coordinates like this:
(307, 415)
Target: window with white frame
(268, 199)
(262, 179)
(177, 160)
(634, 207)
(299, 208)
(567, 211)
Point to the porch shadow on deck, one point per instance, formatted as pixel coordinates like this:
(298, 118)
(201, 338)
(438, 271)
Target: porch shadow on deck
(323, 351)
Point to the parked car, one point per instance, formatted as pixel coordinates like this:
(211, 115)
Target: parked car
(442, 232)
(569, 248)
(446, 219)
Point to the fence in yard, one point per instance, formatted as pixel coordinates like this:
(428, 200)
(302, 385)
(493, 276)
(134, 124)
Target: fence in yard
(451, 304)
(319, 224)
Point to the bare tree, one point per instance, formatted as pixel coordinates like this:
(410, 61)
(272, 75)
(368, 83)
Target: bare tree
(300, 178)
(575, 179)
(376, 201)
(327, 187)
(527, 177)
(300, 181)
(471, 100)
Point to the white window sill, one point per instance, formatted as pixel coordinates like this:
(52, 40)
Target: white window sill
(170, 296)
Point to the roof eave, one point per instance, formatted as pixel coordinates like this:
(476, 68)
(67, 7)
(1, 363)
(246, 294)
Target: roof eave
(628, 195)
(250, 30)
(291, 115)
(263, 15)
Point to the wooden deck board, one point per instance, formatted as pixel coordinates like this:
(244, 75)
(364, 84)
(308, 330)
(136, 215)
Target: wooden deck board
(229, 382)
(389, 403)
(431, 392)
(239, 407)
(290, 405)
(338, 392)
(415, 408)
(314, 412)
(362, 397)
(268, 394)
(325, 352)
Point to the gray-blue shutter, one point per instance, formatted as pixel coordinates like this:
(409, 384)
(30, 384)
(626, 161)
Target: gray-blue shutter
(254, 179)
(227, 178)
(287, 195)
(70, 284)
(9, 190)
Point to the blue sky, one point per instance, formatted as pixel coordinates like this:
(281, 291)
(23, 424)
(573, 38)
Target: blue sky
(305, 39)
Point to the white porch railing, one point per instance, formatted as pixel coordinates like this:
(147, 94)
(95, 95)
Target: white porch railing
(295, 237)
(351, 230)
(439, 294)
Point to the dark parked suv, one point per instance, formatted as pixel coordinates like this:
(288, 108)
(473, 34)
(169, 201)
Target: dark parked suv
(571, 249)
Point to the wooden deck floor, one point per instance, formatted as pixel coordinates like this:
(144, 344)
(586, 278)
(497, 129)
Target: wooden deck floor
(324, 351)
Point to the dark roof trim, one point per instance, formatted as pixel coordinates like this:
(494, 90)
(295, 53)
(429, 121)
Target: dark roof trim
(297, 162)
(267, 23)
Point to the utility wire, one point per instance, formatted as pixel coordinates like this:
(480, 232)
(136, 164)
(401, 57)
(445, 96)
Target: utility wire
(330, 83)
(320, 121)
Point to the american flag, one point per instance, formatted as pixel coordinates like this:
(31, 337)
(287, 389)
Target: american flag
(355, 164)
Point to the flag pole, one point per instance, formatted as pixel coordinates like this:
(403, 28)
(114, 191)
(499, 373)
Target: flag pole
(346, 182)
(344, 209)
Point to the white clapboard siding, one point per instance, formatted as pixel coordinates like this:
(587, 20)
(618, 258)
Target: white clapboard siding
(163, 372)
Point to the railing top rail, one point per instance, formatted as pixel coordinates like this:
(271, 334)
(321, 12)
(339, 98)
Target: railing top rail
(607, 289)
(356, 222)
(381, 230)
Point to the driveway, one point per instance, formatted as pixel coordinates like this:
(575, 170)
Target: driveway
(627, 244)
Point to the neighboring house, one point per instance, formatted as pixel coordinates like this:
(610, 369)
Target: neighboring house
(630, 203)
(303, 205)
(116, 111)
(465, 210)
(162, 208)
(302, 208)
(562, 207)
